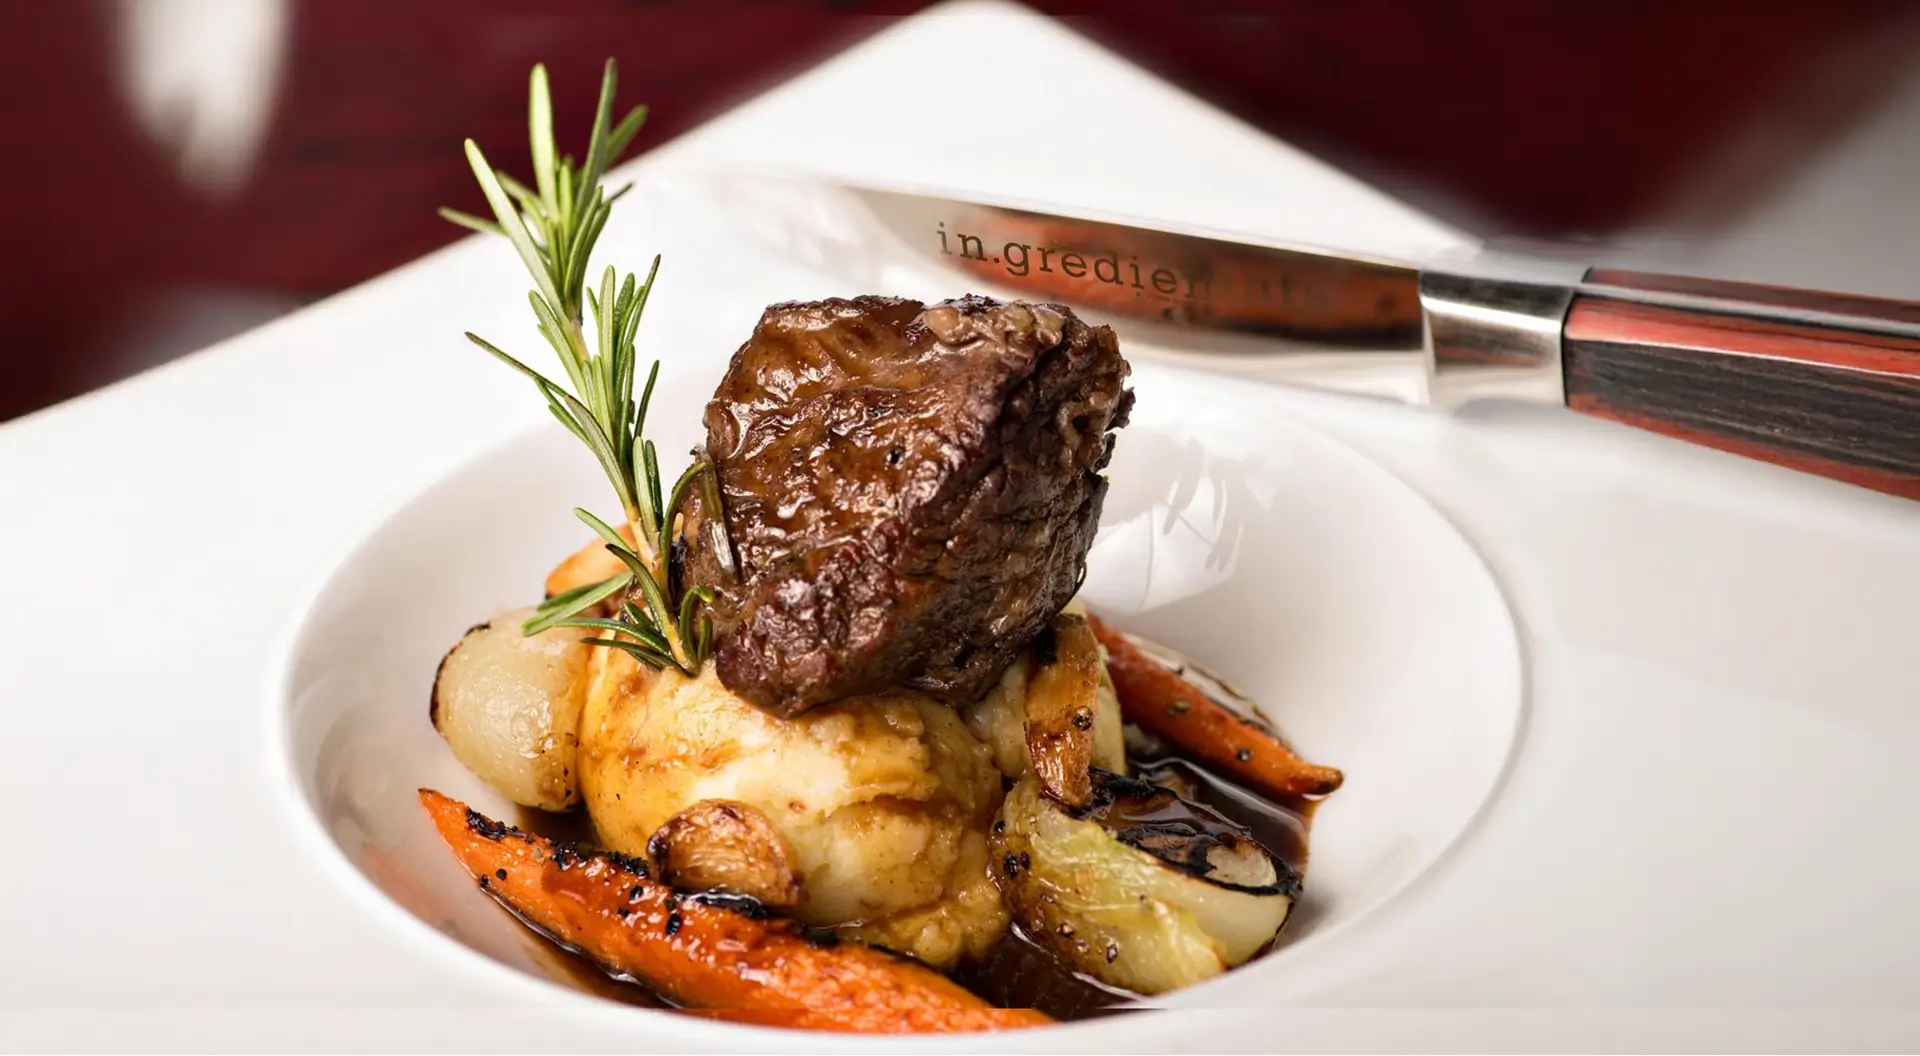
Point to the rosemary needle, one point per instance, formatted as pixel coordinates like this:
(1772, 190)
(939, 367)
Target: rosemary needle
(553, 226)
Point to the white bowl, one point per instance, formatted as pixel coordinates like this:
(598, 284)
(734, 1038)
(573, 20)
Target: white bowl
(1362, 622)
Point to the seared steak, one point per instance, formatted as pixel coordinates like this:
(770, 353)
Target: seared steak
(910, 491)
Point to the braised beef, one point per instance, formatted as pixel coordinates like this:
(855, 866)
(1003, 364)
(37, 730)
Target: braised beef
(910, 491)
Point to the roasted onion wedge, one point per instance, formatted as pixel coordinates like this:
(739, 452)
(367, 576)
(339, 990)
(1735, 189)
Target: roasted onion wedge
(509, 707)
(1054, 713)
(1063, 698)
(1141, 890)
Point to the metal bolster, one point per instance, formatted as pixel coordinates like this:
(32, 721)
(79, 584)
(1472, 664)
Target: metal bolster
(1493, 338)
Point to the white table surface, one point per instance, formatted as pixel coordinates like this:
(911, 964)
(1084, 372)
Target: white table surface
(1706, 839)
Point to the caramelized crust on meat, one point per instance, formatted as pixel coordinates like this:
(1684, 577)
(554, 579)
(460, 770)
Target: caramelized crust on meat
(910, 491)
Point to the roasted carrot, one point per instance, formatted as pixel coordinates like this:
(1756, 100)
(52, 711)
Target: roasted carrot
(1162, 703)
(724, 956)
(589, 564)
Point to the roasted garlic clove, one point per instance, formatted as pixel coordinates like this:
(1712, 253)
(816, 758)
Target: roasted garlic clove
(725, 845)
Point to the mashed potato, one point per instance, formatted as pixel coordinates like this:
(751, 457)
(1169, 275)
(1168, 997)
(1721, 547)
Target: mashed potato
(881, 804)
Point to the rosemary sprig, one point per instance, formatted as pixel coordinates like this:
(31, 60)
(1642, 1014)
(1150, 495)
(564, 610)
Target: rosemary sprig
(553, 226)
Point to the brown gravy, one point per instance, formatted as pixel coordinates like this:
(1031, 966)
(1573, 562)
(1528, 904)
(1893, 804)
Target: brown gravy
(1015, 973)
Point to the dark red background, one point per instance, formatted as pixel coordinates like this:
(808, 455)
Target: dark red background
(1532, 118)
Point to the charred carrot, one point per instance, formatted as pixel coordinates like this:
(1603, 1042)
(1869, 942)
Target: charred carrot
(720, 955)
(589, 564)
(1162, 703)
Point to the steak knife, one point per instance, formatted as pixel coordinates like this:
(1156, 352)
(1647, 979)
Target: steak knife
(1825, 383)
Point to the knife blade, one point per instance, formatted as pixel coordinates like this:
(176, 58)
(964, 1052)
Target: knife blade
(1825, 383)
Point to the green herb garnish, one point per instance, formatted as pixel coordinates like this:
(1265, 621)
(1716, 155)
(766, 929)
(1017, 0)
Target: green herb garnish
(553, 226)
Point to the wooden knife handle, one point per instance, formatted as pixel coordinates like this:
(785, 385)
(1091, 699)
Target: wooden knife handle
(1825, 383)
